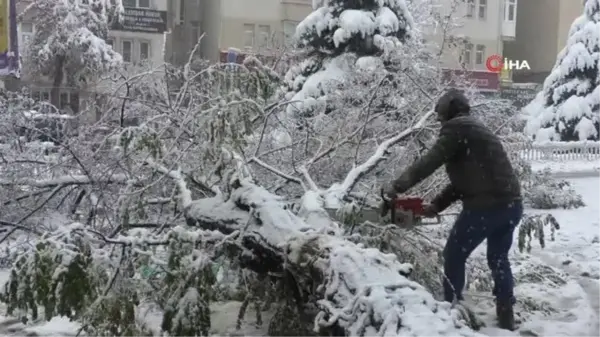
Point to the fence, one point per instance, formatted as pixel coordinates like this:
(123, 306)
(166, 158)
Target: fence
(559, 151)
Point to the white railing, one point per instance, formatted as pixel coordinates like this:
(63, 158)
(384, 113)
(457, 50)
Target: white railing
(559, 151)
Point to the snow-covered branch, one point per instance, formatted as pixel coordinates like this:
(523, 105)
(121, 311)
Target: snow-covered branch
(66, 180)
(275, 171)
(361, 170)
(363, 290)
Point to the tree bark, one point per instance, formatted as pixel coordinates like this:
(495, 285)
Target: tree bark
(57, 82)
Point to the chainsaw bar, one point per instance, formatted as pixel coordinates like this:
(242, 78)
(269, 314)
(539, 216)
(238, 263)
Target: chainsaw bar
(404, 219)
(405, 212)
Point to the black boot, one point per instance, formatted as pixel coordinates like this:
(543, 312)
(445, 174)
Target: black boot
(506, 316)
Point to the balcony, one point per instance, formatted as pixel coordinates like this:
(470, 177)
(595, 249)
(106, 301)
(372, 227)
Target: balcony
(509, 30)
(509, 21)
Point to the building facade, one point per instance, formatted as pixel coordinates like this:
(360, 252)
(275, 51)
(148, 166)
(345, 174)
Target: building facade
(141, 35)
(186, 18)
(542, 29)
(485, 26)
(268, 25)
(248, 26)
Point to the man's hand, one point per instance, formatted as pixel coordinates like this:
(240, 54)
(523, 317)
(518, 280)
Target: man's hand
(384, 208)
(389, 191)
(430, 211)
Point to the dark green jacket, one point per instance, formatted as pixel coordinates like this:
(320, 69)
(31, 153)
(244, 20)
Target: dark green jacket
(479, 169)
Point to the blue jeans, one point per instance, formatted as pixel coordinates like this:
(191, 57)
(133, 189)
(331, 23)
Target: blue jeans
(472, 226)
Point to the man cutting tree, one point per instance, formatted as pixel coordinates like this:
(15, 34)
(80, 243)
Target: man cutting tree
(482, 177)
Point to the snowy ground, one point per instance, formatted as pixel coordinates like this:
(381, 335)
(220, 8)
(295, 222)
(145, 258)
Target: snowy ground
(572, 289)
(576, 250)
(557, 287)
(569, 168)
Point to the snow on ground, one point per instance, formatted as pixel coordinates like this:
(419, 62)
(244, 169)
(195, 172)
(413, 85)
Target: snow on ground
(557, 287)
(576, 250)
(568, 168)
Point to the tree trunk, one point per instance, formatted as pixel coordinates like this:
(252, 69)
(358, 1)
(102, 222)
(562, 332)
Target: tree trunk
(359, 290)
(57, 82)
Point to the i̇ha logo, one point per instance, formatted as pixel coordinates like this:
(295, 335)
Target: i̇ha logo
(496, 63)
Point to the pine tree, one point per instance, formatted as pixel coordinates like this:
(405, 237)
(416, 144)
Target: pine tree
(338, 28)
(363, 27)
(567, 109)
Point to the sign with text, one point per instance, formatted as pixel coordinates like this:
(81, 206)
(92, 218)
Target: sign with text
(482, 80)
(520, 94)
(9, 47)
(142, 20)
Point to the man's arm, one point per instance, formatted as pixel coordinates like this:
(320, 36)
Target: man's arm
(445, 198)
(444, 148)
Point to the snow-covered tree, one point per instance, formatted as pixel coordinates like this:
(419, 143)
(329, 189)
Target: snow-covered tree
(69, 42)
(568, 107)
(337, 37)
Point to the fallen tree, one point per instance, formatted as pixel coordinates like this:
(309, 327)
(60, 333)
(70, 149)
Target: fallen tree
(360, 290)
(90, 270)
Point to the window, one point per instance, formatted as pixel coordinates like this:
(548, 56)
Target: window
(126, 50)
(195, 32)
(110, 42)
(470, 8)
(466, 56)
(26, 33)
(289, 30)
(74, 102)
(144, 50)
(510, 12)
(27, 27)
(136, 3)
(248, 35)
(479, 54)
(181, 12)
(264, 34)
(64, 100)
(482, 9)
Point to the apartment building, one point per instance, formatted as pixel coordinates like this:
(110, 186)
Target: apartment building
(264, 25)
(541, 33)
(486, 26)
(141, 34)
(248, 26)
